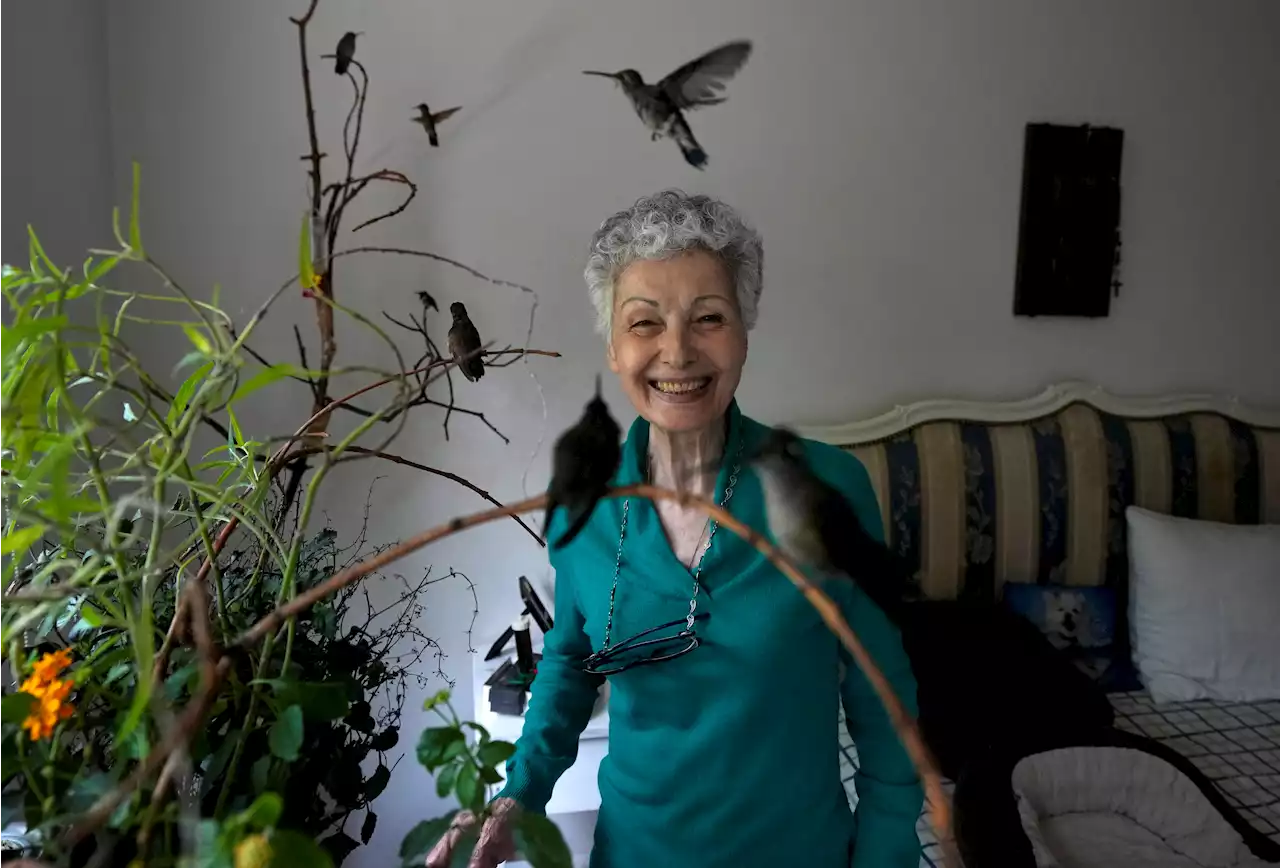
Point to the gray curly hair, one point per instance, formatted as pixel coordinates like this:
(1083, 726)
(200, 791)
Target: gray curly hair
(663, 225)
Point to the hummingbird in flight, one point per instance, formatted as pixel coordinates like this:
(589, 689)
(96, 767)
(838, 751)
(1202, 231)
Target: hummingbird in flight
(344, 52)
(465, 339)
(697, 83)
(429, 121)
(582, 465)
(815, 525)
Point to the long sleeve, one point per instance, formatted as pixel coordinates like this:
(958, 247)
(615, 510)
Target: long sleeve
(890, 795)
(560, 703)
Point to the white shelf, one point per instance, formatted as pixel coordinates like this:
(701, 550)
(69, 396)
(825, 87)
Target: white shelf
(577, 790)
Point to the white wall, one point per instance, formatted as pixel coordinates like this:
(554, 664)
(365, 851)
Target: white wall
(57, 155)
(877, 144)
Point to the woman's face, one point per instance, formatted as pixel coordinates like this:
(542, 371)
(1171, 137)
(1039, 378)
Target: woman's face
(677, 343)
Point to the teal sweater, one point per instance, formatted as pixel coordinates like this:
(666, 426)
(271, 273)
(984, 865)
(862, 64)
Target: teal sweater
(726, 757)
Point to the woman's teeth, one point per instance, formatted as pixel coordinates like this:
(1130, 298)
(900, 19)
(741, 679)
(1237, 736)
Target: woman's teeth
(677, 387)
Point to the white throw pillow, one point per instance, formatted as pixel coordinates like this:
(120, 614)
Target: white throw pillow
(1204, 607)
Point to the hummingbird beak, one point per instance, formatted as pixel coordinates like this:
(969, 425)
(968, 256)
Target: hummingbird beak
(612, 75)
(598, 385)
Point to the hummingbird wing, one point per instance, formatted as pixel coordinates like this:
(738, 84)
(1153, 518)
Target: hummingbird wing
(446, 114)
(880, 573)
(699, 81)
(464, 338)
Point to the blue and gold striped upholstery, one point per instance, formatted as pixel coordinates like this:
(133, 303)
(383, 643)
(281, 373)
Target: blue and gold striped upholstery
(973, 505)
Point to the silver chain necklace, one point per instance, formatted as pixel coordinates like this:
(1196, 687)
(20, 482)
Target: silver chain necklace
(697, 575)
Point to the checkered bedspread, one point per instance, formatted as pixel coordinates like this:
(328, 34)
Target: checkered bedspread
(1235, 745)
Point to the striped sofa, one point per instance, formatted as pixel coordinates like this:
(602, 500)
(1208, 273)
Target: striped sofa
(977, 495)
(972, 505)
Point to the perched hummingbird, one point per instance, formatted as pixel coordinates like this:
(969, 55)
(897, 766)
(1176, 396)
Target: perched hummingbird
(815, 525)
(345, 51)
(428, 301)
(429, 121)
(583, 464)
(661, 106)
(464, 339)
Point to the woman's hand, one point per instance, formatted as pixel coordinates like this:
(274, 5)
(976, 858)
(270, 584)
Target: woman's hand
(497, 843)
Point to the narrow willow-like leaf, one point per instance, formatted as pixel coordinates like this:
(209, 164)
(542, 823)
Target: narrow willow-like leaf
(306, 271)
(135, 232)
(185, 391)
(264, 377)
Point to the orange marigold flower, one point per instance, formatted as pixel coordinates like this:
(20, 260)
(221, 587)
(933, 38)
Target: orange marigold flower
(50, 693)
(50, 665)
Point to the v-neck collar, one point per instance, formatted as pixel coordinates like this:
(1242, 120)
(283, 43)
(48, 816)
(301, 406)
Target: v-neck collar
(646, 546)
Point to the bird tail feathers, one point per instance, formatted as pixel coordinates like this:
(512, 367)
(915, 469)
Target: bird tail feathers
(693, 153)
(579, 522)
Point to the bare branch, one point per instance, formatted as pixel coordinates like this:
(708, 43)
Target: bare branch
(903, 724)
(397, 459)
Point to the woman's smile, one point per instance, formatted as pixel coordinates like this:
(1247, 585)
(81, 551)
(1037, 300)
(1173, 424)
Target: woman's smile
(682, 391)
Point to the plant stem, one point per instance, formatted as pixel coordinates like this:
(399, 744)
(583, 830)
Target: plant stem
(245, 727)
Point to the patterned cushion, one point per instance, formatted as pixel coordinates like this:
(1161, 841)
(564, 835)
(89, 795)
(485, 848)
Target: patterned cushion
(974, 505)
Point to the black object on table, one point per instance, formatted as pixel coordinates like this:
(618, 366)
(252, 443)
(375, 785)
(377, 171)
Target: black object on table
(508, 687)
(534, 608)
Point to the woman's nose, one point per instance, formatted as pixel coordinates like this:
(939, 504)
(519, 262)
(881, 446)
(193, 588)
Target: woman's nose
(677, 346)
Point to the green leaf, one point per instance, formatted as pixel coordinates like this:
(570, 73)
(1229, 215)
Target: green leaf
(319, 700)
(20, 540)
(289, 848)
(15, 707)
(445, 780)
(386, 740)
(539, 841)
(339, 846)
(92, 615)
(116, 672)
(197, 337)
(260, 773)
(433, 743)
(185, 391)
(478, 729)
(263, 813)
(377, 783)
(306, 271)
(180, 681)
(490, 775)
(432, 701)
(211, 846)
(235, 437)
(285, 737)
(496, 752)
(265, 377)
(467, 786)
(368, 827)
(135, 233)
(421, 838)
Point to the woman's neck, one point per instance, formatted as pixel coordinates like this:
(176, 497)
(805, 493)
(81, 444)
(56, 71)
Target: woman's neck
(687, 460)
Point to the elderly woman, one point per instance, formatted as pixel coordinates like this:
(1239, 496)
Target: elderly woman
(724, 681)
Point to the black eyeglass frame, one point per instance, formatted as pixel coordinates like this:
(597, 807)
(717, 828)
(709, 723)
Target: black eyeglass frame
(597, 662)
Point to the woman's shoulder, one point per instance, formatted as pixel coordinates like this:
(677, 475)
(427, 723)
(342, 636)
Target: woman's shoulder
(836, 466)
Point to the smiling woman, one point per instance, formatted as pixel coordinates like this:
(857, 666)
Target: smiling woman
(724, 684)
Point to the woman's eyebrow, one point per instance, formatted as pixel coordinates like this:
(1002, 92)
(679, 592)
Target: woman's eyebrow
(638, 298)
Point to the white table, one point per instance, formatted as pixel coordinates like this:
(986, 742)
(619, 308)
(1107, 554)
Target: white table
(576, 796)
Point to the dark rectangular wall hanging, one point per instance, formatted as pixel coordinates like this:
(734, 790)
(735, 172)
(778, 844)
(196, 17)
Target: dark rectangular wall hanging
(1069, 227)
